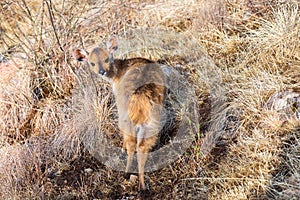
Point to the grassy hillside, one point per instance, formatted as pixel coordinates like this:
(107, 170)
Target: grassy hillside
(241, 58)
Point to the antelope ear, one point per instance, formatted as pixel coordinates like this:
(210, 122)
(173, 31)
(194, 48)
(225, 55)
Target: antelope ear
(112, 44)
(79, 54)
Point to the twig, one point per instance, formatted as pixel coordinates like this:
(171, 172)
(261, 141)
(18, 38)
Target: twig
(206, 178)
(50, 10)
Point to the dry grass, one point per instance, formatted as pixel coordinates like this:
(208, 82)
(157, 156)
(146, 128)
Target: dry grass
(240, 57)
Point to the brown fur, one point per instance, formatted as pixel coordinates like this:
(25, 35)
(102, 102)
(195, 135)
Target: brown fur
(139, 108)
(138, 86)
(141, 102)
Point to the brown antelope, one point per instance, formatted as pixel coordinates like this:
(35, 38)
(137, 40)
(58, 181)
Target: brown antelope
(138, 87)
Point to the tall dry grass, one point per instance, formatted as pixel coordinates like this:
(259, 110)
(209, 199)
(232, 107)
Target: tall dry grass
(240, 57)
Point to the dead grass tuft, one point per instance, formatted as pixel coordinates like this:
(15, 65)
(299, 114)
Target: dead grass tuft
(240, 57)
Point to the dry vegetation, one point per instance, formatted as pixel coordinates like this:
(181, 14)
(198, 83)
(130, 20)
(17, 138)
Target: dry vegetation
(241, 57)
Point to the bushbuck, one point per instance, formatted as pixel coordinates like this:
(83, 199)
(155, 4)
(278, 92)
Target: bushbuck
(138, 87)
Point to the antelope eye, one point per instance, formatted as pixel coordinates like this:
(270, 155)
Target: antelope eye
(93, 64)
(106, 60)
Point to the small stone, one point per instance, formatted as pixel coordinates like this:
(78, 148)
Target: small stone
(133, 178)
(88, 170)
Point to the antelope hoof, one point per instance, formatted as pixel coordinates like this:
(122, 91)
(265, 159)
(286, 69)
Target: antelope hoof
(145, 194)
(127, 175)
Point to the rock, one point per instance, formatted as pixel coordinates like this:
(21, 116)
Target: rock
(88, 171)
(286, 102)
